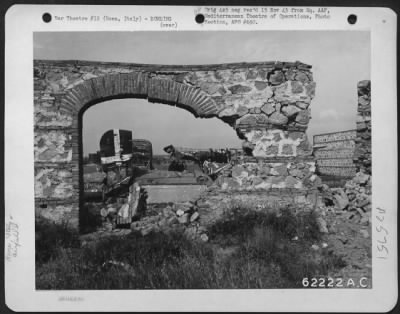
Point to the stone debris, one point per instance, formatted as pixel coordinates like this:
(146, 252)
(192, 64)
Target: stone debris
(315, 247)
(322, 225)
(121, 210)
(180, 212)
(359, 192)
(123, 266)
(184, 219)
(362, 153)
(204, 237)
(171, 217)
(340, 198)
(104, 212)
(194, 217)
(353, 200)
(364, 233)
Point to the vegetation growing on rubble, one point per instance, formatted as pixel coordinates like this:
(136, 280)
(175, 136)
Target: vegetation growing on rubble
(247, 249)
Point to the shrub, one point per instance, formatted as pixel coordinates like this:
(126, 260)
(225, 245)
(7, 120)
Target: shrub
(241, 220)
(50, 236)
(248, 249)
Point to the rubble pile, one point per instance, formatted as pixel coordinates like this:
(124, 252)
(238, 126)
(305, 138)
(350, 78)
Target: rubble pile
(166, 217)
(354, 199)
(182, 217)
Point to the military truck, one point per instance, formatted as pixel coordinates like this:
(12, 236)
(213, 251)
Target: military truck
(123, 158)
(142, 153)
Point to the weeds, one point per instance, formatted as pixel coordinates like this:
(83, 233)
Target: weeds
(247, 249)
(50, 237)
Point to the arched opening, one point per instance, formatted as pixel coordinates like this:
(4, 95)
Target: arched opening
(153, 121)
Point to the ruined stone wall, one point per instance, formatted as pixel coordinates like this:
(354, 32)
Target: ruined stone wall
(267, 105)
(266, 174)
(362, 155)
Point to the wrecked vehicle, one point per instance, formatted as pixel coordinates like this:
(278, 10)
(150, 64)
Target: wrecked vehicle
(142, 154)
(116, 156)
(94, 181)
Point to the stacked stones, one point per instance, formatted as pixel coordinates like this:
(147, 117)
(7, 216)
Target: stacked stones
(359, 193)
(267, 103)
(264, 175)
(362, 155)
(269, 108)
(182, 217)
(355, 198)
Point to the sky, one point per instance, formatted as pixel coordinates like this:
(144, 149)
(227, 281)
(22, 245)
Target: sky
(339, 60)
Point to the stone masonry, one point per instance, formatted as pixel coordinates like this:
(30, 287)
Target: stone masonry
(266, 103)
(362, 155)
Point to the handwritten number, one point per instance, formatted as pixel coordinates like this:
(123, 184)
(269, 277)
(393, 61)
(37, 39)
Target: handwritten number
(381, 228)
(382, 241)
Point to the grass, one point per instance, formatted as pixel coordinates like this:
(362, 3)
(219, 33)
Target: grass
(247, 249)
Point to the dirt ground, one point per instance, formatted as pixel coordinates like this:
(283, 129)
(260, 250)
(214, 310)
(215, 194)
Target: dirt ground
(352, 241)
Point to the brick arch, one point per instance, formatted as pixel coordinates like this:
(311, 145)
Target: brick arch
(90, 92)
(139, 85)
(266, 103)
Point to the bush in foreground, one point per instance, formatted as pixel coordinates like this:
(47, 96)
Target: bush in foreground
(50, 237)
(247, 249)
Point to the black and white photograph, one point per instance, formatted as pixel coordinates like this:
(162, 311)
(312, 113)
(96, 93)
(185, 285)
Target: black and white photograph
(189, 161)
(195, 160)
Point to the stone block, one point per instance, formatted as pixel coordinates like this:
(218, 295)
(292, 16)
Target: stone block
(272, 150)
(279, 170)
(212, 88)
(287, 149)
(251, 74)
(290, 74)
(277, 78)
(310, 89)
(303, 116)
(184, 219)
(53, 183)
(302, 77)
(297, 88)
(238, 171)
(268, 108)
(260, 85)
(239, 89)
(277, 118)
(291, 181)
(296, 135)
(290, 110)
